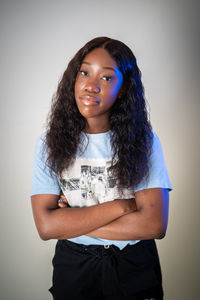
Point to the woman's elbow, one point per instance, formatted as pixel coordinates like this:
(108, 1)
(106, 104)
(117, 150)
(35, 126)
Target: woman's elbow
(160, 236)
(44, 236)
(160, 231)
(44, 231)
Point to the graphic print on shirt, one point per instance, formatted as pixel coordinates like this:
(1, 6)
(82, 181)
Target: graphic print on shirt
(88, 182)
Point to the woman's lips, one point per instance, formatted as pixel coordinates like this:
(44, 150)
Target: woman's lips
(89, 100)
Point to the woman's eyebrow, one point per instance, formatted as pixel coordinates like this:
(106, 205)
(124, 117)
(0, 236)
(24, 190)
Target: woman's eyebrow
(109, 68)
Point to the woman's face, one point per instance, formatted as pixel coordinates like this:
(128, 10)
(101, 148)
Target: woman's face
(97, 85)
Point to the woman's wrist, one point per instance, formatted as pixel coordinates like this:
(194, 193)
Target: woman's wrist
(127, 205)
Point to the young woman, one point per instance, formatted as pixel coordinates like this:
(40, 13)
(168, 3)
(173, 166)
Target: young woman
(100, 152)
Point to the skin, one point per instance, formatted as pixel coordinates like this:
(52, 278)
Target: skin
(54, 223)
(148, 220)
(98, 85)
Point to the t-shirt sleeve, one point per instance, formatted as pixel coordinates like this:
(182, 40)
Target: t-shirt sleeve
(158, 175)
(43, 182)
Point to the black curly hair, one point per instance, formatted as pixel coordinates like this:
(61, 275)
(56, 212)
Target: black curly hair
(131, 137)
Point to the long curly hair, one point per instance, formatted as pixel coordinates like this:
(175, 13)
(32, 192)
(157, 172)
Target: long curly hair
(131, 132)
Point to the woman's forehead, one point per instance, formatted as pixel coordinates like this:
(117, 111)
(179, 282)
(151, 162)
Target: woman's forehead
(101, 58)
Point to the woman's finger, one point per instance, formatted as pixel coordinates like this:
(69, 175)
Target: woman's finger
(61, 204)
(64, 199)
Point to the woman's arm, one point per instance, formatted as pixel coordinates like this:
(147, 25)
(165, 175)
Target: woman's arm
(148, 222)
(54, 223)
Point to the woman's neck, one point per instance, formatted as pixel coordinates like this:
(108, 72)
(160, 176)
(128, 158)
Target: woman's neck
(93, 131)
(93, 127)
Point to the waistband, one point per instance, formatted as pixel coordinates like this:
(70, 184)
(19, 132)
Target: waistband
(108, 249)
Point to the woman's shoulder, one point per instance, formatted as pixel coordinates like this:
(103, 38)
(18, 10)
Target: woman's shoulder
(155, 140)
(157, 154)
(40, 145)
(41, 138)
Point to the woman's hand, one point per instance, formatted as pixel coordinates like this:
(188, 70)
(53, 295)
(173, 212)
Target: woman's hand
(128, 204)
(64, 202)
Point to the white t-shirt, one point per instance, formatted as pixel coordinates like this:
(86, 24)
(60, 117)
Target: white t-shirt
(87, 182)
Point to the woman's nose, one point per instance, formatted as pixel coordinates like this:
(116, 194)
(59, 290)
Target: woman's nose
(92, 86)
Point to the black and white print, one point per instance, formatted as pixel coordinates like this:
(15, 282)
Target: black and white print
(88, 182)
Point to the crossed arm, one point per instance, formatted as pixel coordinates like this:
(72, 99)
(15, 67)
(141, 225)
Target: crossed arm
(148, 221)
(144, 217)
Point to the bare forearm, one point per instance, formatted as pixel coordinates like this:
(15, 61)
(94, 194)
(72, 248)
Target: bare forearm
(73, 222)
(148, 221)
(133, 226)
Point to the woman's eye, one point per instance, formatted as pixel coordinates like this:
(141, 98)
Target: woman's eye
(107, 78)
(84, 73)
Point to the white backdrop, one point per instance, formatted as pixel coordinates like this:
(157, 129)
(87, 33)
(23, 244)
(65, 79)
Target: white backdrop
(38, 38)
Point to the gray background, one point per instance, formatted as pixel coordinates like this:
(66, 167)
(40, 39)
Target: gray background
(38, 38)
